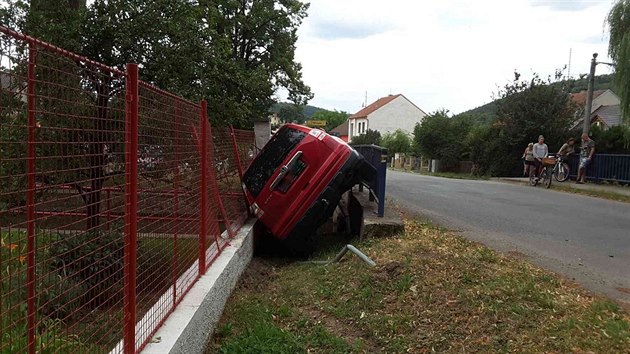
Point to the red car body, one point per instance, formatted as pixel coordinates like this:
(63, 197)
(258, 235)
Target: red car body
(296, 181)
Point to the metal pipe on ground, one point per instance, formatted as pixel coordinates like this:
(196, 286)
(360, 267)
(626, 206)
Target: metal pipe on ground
(341, 253)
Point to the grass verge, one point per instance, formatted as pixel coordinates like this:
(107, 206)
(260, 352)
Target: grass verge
(588, 192)
(432, 290)
(593, 193)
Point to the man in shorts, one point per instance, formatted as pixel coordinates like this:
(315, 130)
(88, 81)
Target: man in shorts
(586, 156)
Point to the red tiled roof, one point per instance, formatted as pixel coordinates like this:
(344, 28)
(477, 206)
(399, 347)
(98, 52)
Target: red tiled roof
(580, 97)
(341, 129)
(363, 113)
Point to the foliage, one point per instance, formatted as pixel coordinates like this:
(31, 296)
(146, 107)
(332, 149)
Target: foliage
(396, 142)
(619, 49)
(236, 54)
(333, 118)
(441, 137)
(58, 296)
(291, 114)
(369, 137)
(308, 111)
(487, 111)
(94, 259)
(615, 140)
(527, 109)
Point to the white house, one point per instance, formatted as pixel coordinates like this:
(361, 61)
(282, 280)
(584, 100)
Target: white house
(385, 116)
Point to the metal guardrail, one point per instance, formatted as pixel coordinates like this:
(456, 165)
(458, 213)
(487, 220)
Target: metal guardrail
(605, 167)
(376, 156)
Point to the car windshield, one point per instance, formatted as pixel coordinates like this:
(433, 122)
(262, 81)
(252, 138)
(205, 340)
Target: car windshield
(271, 156)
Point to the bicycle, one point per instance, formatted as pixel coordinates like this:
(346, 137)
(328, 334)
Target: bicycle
(561, 170)
(545, 174)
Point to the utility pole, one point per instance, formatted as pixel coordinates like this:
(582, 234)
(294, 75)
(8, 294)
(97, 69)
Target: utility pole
(589, 96)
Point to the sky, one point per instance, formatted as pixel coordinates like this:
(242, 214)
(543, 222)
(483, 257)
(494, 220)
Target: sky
(447, 54)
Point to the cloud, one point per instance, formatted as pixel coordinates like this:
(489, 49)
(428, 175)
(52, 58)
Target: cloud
(448, 54)
(565, 5)
(330, 30)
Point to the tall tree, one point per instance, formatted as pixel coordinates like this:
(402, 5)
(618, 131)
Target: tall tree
(255, 45)
(619, 49)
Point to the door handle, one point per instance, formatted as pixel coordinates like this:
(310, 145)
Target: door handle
(285, 169)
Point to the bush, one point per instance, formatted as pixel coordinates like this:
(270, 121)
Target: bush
(615, 140)
(368, 138)
(398, 141)
(94, 259)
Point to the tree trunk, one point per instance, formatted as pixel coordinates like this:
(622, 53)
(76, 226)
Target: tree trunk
(96, 157)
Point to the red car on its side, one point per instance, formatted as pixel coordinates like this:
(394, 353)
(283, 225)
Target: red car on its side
(296, 181)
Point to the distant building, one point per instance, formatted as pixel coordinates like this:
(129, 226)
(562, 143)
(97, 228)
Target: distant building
(385, 116)
(605, 112)
(341, 131)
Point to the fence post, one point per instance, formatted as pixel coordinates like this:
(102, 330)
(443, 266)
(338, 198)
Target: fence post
(203, 208)
(236, 154)
(30, 202)
(131, 207)
(382, 175)
(175, 205)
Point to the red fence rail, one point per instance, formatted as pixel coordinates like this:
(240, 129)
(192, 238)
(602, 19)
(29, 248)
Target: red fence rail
(115, 197)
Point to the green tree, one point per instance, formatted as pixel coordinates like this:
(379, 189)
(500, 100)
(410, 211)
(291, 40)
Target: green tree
(396, 142)
(332, 118)
(527, 109)
(619, 49)
(291, 113)
(444, 138)
(368, 138)
(252, 56)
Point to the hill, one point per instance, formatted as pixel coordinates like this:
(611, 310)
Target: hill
(308, 110)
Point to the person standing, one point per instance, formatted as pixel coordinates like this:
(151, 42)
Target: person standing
(540, 152)
(586, 156)
(528, 159)
(567, 149)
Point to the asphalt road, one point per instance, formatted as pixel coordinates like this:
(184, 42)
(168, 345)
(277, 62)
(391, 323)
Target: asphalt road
(586, 239)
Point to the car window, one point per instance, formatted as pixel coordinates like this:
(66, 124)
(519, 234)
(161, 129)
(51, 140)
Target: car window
(270, 158)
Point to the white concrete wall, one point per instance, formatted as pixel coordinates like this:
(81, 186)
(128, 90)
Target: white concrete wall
(397, 114)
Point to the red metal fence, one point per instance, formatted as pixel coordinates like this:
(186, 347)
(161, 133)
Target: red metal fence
(115, 196)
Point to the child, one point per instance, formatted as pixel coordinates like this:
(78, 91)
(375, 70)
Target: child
(528, 158)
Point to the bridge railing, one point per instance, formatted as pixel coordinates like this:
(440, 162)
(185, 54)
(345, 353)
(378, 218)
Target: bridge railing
(604, 167)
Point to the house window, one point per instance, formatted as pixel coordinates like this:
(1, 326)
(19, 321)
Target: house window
(351, 130)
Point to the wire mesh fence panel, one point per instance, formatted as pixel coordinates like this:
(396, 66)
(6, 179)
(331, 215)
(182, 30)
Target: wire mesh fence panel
(169, 214)
(113, 198)
(62, 128)
(227, 167)
(245, 141)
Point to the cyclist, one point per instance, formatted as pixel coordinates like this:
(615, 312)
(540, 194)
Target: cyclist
(567, 149)
(540, 151)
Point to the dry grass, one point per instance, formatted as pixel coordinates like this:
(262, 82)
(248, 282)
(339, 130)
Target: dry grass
(432, 290)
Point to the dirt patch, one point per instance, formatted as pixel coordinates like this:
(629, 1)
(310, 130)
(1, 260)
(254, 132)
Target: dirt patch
(258, 275)
(346, 329)
(390, 271)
